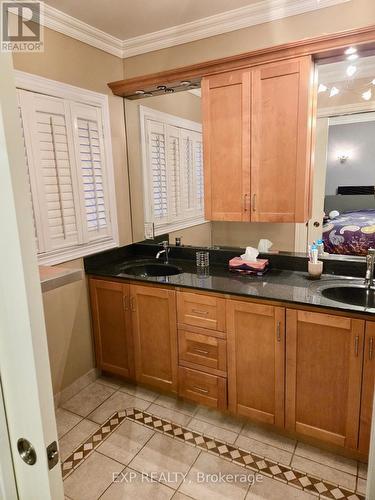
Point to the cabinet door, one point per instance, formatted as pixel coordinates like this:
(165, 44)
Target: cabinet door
(256, 361)
(324, 369)
(281, 120)
(155, 336)
(367, 389)
(226, 139)
(112, 327)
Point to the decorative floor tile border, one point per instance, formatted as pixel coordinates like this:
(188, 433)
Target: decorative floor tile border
(288, 475)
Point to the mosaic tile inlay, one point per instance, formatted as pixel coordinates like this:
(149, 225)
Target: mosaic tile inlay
(244, 458)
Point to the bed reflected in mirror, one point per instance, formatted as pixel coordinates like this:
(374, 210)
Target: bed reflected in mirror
(344, 193)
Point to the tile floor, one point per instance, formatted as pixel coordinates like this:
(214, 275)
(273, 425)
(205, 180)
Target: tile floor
(134, 450)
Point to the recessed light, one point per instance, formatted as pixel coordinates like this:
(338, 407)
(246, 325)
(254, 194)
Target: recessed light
(148, 94)
(334, 91)
(139, 92)
(350, 50)
(367, 95)
(350, 70)
(185, 83)
(169, 91)
(352, 57)
(161, 87)
(322, 88)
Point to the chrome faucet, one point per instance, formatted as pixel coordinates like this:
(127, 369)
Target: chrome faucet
(370, 261)
(166, 251)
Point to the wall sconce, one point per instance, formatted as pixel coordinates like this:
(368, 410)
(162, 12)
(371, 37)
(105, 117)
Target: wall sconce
(343, 157)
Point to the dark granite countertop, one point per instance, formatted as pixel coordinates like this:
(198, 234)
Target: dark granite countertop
(284, 285)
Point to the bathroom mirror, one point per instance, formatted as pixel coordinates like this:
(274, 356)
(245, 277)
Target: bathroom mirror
(165, 155)
(344, 176)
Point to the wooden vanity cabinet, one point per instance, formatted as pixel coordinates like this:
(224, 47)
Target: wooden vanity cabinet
(256, 361)
(111, 319)
(368, 382)
(257, 126)
(324, 358)
(155, 336)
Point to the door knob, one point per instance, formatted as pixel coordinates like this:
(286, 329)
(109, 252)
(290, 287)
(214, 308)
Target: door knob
(26, 451)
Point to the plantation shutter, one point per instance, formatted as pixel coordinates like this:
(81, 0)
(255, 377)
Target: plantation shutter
(49, 153)
(158, 194)
(91, 171)
(173, 171)
(38, 241)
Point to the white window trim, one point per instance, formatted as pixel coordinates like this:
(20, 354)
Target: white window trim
(41, 85)
(153, 114)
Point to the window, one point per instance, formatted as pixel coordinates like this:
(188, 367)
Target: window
(172, 171)
(68, 156)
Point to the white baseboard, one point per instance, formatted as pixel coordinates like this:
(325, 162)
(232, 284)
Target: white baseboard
(75, 387)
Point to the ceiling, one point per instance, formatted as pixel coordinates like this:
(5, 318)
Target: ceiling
(124, 19)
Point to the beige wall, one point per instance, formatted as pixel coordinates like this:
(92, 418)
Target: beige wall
(184, 105)
(353, 14)
(66, 308)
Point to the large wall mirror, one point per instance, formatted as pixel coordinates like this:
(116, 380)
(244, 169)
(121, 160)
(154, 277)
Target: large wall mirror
(344, 178)
(165, 151)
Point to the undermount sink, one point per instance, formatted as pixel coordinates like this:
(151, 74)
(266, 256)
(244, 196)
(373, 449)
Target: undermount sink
(357, 295)
(154, 269)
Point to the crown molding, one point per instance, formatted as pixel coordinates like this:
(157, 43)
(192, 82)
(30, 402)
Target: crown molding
(258, 13)
(74, 28)
(346, 109)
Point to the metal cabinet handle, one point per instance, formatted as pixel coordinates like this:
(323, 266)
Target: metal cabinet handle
(199, 389)
(200, 351)
(254, 202)
(356, 345)
(198, 311)
(371, 348)
(278, 331)
(132, 304)
(126, 302)
(245, 202)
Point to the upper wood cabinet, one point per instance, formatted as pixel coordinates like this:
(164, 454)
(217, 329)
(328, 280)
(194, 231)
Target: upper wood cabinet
(112, 327)
(323, 376)
(256, 361)
(155, 336)
(257, 126)
(367, 389)
(226, 143)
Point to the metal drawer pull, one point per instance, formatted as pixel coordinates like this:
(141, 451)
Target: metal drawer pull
(254, 200)
(199, 389)
(356, 345)
(132, 304)
(278, 332)
(371, 348)
(200, 351)
(198, 311)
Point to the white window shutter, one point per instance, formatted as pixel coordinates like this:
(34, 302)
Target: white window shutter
(189, 191)
(91, 171)
(49, 153)
(174, 172)
(36, 223)
(157, 179)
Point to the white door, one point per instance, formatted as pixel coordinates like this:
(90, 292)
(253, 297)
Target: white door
(24, 364)
(319, 180)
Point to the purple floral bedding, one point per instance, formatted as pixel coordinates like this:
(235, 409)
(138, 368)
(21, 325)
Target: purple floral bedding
(351, 233)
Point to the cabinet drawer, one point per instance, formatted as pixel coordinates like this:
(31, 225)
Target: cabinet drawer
(203, 350)
(201, 310)
(203, 388)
